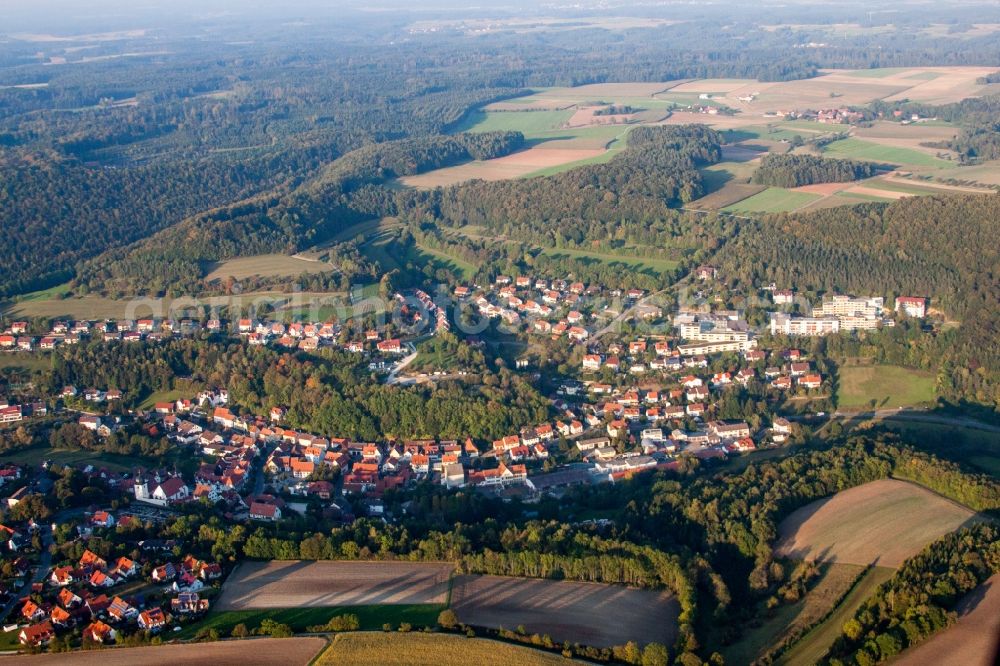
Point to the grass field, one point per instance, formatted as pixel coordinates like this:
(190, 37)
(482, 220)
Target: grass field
(882, 522)
(166, 396)
(26, 362)
(566, 610)
(419, 649)
(370, 617)
(529, 123)
(266, 265)
(793, 619)
(264, 651)
(638, 263)
(814, 645)
(979, 448)
(888, 385)
(859, 149)
(772, 200)
(34, 456)
(299, 584)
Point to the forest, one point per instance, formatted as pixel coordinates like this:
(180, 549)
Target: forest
(798, 170)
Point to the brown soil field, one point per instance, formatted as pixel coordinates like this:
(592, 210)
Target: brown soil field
(715, 122)
(972, 641)
(514, 165)
(257, 651)
(530, 105)
(875, 192)
(608, 91)
(266, 265)
(825, 189)
(729, 194)
(584, 117)
(932, 187)
(713, 86)
(882, 522)
(297, 584)
(588, 613)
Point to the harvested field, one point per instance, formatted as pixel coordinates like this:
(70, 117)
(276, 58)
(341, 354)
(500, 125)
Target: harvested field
(266, 265)
(577, 612)
(825, 189)
(876, 192)
(296, 584)
(584, 116)
(882, 522)
(729, 194)
(973, 641)
(514, 165)
(413, 649)
(264, 651)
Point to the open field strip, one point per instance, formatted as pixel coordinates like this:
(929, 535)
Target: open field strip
(298, 584)
(883, 522)
(266, 265)
(972, 641)
(257, 651)
(873, 152)
(418, 649)
(888, 385)
(773, 200)
(815, 644)
(577, 612)
(791, 619)
(522, 163)
(654, 263)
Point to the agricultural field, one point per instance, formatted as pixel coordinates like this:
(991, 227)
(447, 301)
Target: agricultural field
(972, 641)
(773, 200)
(34, 456)
(540, 159)
(858, 149)
(888, 385)
(882, 522)
(566, 610)
(298, 584)
(811, 648)
(638, 263)
(419, 649)
(264, 651)
(972, 446)
(266, 265)
(792, 619)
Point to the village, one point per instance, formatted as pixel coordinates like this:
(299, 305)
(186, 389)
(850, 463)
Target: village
(636, 402)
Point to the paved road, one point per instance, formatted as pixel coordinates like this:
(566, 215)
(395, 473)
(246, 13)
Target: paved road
(924, 417)
(393, 377)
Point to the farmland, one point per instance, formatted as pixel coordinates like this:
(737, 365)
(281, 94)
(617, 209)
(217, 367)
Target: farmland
(417, 649)
(266, 265)
(972, 640)
(265, 651)
(566, 610)
(882, 522)
(295, 584)
(772, 200)
(887, 385)
(858, 149)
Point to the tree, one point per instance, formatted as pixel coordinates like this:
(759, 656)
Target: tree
(448, 619)
(240, 631)
(655, 654)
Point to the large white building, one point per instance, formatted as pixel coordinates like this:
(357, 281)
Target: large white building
(839, 305)
(783, 324)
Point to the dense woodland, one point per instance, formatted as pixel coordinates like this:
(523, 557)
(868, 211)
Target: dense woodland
(331, 392)
(797, 170)
(909, 247)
